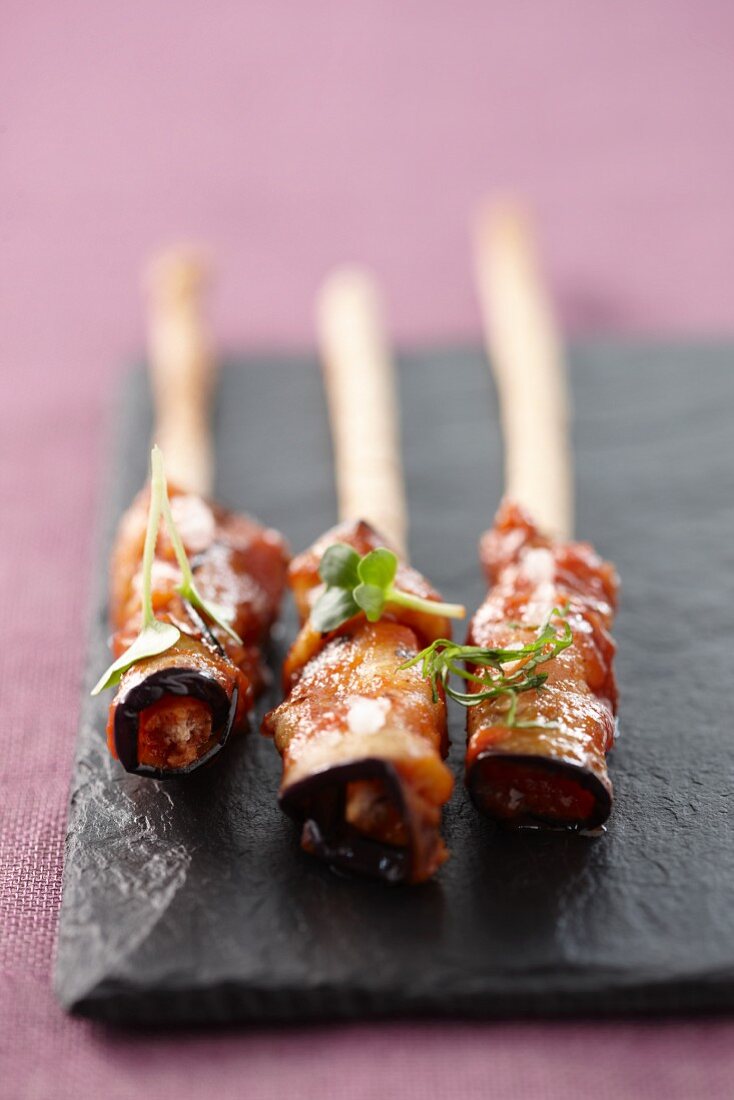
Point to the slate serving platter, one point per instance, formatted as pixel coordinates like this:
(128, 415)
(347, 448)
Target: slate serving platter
(191, 901)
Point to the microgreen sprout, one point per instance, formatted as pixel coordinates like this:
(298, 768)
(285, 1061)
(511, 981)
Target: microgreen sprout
(444, 658)
(156, 636)
(187, 589)
(355, 584)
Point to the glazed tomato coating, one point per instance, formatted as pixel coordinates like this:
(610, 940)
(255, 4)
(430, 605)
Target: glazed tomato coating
(551, 765)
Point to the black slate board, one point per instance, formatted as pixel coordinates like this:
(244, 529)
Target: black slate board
(192, 902)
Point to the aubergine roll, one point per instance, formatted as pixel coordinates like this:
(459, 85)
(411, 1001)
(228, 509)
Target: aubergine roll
(363, 739)
(175, 711)
(548, 765)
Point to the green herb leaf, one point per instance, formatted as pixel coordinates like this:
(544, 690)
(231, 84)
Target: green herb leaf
(378, 568)
(339, 566)
(355, 583)
(445, 658)
(334, 607)
(155, 636)
(371, 598)
(153, 639)
(222, 616)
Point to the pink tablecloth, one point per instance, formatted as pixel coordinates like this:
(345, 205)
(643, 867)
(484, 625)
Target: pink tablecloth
(289, 136)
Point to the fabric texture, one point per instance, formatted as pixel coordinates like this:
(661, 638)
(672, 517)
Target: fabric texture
(288, 137)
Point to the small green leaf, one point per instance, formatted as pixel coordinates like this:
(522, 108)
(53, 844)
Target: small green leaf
(155, 638)
(333, 607)
(367, 583)
(378, 568)
(371, 598)
(222, 616)
(339, 566)
(441, 660)
(219, 615)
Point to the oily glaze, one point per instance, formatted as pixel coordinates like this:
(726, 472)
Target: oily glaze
(362, 740)
(171, 712)
(557, 774)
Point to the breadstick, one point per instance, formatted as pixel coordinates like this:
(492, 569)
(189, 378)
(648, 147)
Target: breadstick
(181, 368)
(363, 404)
(526, 357)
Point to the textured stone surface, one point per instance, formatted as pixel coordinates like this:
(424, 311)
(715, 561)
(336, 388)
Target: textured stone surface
(187, 902)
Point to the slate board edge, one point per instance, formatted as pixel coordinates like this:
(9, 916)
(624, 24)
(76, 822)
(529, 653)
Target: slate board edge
(107, 517)
(232, 1003)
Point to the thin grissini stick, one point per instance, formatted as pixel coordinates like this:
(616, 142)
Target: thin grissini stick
(526, 356)
(182, 368)
(194, 588)
(363, 739)
(363, 407)
(541, 719)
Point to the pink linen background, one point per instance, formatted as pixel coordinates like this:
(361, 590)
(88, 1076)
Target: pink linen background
(288, 136)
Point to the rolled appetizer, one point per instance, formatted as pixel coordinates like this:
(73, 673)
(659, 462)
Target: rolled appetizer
(194, 588)
(175, 709)
(539, 673)
(538, 755)
(362, 738)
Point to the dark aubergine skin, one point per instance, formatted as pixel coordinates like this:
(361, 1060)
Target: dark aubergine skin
(177, 682)
(479, 779)
(318, 803)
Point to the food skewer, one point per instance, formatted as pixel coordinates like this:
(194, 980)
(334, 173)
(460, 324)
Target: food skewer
(536, 750)
(192, 598)
(362, 738)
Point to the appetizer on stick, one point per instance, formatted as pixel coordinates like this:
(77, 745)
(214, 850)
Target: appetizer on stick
(363, 737)
(541, 689)
(194, 588)
(537, 671)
